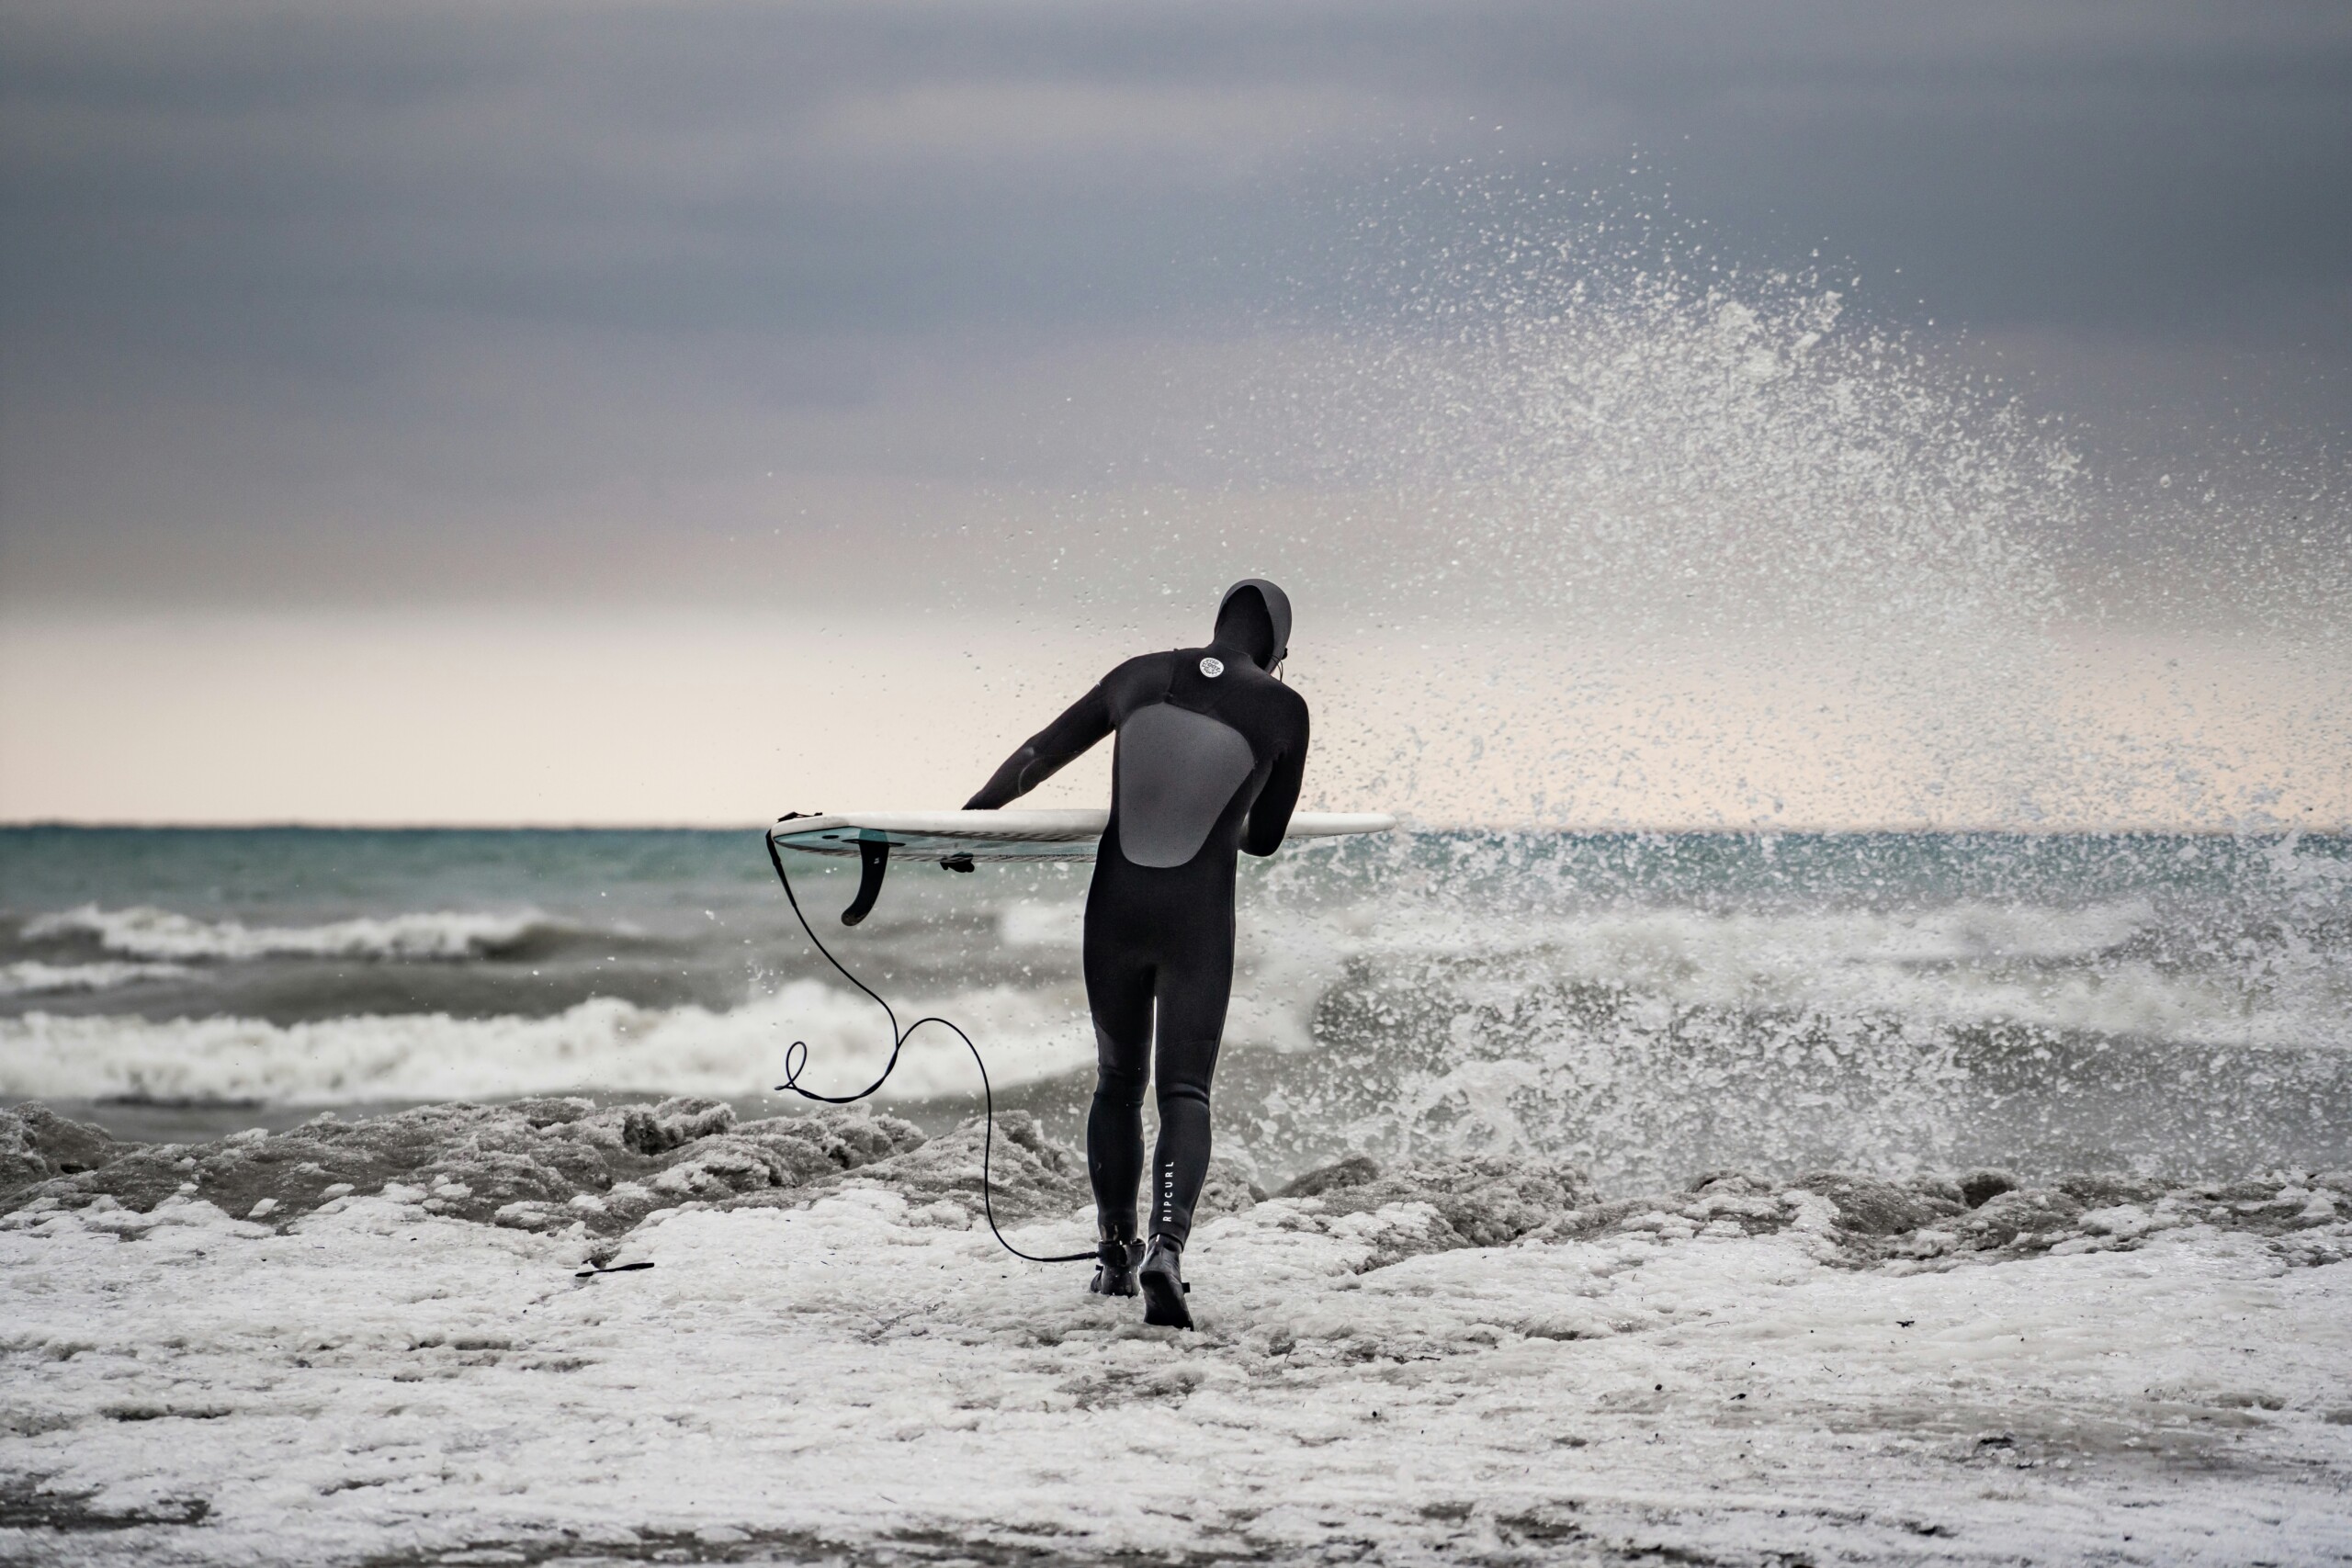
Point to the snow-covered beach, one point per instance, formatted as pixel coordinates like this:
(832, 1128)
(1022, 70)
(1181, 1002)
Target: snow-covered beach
(1809, 547)
(1466, 1360)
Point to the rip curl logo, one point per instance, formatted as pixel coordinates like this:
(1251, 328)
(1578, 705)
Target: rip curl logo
(1212, 668)
(1167, 1192)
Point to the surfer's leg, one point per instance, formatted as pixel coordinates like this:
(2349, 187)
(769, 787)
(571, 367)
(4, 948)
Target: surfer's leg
(1118, 990)
(1193, 998)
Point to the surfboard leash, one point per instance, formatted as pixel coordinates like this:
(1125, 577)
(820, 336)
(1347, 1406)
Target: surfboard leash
(796, 1058)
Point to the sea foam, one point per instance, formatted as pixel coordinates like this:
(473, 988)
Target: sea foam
(603, 1043)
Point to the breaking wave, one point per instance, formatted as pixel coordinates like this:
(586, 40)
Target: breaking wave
(2096, 970)
(33, 977)
(145, 931)
(604, 1044)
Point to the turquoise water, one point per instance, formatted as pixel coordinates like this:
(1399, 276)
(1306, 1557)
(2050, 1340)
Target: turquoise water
(1650, 1004)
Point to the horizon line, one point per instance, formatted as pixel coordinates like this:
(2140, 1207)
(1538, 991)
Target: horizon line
(1404, 823)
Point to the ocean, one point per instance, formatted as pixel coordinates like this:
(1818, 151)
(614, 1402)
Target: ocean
(1620, 1198)
(1647, 1006)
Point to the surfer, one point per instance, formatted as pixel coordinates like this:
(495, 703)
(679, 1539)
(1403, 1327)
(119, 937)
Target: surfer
(1211, 748)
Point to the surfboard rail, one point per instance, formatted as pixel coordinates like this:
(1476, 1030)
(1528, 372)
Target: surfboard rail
(1070, 834)
(958, 839)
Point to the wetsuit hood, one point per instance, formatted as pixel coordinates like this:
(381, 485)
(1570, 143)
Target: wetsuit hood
(1277, 603)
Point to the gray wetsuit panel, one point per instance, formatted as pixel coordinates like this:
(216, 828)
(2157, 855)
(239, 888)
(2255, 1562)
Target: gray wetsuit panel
(1178, 770)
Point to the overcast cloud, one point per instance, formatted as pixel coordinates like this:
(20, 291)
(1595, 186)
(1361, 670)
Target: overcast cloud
(304, 303)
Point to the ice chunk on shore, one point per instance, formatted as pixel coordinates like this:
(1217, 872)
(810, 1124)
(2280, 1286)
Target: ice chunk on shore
(36, 1143)
(523, 1164)
(567, 1165)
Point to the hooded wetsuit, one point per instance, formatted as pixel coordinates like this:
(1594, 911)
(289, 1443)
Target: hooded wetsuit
(1209, 756)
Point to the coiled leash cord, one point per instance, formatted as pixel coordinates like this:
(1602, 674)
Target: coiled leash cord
(797, 1058)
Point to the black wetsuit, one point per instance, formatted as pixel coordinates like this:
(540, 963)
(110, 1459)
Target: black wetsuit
(1207, 765)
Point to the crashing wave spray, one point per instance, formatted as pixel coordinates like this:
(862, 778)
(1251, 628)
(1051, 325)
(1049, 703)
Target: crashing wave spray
(1701, 548)
(1774, 563)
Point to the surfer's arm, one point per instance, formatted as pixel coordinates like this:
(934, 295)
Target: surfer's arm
(1047, 752)
(1270, 814)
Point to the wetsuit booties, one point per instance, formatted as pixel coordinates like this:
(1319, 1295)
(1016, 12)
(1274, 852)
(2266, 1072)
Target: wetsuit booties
(1114, 1267)
(1164, 1285)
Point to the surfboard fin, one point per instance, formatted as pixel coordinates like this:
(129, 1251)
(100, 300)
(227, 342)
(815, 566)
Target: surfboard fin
(873, 860)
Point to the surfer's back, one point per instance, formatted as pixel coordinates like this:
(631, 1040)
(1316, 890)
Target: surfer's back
(1207, 764)
(1210, 753)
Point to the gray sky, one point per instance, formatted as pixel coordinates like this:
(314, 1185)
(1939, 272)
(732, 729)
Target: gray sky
(1972, 380)
(314, 301)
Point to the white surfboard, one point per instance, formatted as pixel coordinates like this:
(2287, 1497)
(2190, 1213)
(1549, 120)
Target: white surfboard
(958, 838)
(1008, 835)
